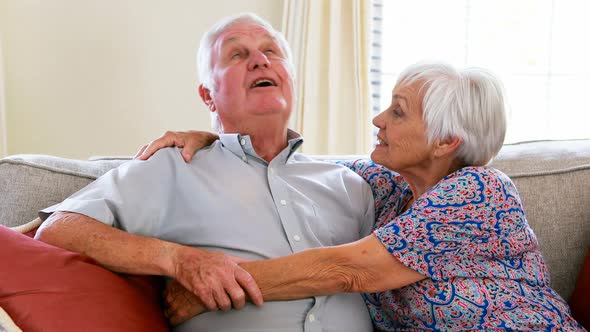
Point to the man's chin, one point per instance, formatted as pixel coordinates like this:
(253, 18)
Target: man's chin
(271, 105)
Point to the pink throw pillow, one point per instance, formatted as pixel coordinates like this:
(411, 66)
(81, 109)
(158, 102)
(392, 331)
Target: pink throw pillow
(46, 288)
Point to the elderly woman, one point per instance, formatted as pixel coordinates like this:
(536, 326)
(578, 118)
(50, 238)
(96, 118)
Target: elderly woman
(451, 248)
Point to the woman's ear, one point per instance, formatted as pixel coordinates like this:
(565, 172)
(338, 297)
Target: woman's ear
(205, 94)
(447, 146)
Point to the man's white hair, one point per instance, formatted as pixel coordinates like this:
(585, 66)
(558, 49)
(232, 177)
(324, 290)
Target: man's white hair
(467, 103)
(204, 59)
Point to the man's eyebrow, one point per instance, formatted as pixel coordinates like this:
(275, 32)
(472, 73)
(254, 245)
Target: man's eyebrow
(271, 38)
(235, 39)
(230, 40)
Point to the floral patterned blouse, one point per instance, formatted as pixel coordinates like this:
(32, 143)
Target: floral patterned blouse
(470, 237)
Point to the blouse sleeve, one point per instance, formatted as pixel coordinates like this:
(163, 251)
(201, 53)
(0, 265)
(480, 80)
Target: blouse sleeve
(384, 183)
(471, 224)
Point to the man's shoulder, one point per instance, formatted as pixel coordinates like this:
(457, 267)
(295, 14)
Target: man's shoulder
(162, 159)
(337, 160)
(323, 163)
(331, 170)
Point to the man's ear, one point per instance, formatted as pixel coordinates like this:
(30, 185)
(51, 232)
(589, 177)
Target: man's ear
(205, 94)
(447, 146)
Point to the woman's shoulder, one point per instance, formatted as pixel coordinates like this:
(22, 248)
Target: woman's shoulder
(477, 184)
(483, 175)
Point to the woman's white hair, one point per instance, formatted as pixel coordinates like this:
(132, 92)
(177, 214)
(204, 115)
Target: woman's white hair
(204, 61)
(467, 103)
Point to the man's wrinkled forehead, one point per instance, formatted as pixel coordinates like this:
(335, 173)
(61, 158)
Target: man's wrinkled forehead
(235, 33)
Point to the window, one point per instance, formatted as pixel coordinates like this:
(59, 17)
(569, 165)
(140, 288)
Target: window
(538, 48)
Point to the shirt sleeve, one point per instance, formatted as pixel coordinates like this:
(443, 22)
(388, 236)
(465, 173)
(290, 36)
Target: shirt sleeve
(368, 217)
(128, 197)
(470, 224)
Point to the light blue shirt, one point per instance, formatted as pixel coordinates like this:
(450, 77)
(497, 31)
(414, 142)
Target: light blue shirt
(229, 199)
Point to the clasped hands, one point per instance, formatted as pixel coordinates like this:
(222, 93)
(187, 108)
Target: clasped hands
(207, 281)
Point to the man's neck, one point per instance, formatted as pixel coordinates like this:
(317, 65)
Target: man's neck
(268, 135)
(268, 145)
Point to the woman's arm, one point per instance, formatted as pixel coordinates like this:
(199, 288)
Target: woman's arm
(363, 266)
(359, 267)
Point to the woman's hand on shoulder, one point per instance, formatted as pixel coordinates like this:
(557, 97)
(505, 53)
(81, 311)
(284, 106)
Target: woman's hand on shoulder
(190, 141)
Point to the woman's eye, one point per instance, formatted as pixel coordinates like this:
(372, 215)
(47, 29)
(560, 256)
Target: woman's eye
(235, 55)
(397, 113)
(269, 51)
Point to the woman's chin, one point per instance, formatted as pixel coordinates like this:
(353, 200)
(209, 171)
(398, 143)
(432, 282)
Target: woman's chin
(379, 155)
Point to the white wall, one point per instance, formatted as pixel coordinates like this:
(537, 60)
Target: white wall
(88, 77)
(3, 147)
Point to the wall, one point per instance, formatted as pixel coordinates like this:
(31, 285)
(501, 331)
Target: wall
(86, 77)
(3, 147)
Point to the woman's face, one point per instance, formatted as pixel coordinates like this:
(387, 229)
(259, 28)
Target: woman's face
(402, 143)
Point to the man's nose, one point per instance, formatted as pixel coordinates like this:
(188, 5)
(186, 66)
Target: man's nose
(258, 60)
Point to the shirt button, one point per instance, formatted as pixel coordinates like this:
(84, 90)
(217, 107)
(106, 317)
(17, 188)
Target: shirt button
(244, 158)
(311, 318)
(243, 141)
(283, 202)
(297, 238)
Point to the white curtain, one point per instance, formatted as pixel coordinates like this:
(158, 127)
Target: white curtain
(3, 144)
(330, 42)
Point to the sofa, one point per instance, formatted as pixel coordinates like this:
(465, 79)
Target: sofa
(552, 177)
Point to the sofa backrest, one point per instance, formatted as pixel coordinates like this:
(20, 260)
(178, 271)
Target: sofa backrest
(29, 183)
(553, 179)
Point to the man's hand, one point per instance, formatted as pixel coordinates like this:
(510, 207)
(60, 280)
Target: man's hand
(190, 142)
(215, 278)
(180, 304)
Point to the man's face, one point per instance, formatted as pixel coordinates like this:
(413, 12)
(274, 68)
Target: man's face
(252, 80)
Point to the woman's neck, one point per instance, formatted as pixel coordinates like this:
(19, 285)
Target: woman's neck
(423, 179)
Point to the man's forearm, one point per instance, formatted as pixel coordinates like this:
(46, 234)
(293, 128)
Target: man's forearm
(112, 248)
(211, 275)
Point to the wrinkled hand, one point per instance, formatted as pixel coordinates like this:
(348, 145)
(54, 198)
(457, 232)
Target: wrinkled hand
(190, 141)
(215, 278)
(180, 304)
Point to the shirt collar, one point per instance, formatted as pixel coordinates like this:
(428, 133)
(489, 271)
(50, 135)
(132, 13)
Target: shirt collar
(241, 146)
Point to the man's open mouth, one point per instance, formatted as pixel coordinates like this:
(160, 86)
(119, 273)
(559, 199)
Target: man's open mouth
(263, 82)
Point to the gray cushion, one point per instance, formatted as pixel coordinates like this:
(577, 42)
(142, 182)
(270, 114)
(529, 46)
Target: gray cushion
(553, 178)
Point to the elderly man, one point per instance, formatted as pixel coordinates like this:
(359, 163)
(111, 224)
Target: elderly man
(249, 195)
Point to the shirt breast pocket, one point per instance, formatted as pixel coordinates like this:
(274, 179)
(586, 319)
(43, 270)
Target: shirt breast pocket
(317, 229)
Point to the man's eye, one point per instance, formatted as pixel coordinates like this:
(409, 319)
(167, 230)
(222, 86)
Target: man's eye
(236, 56)
(397, 113)
(269, 51)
